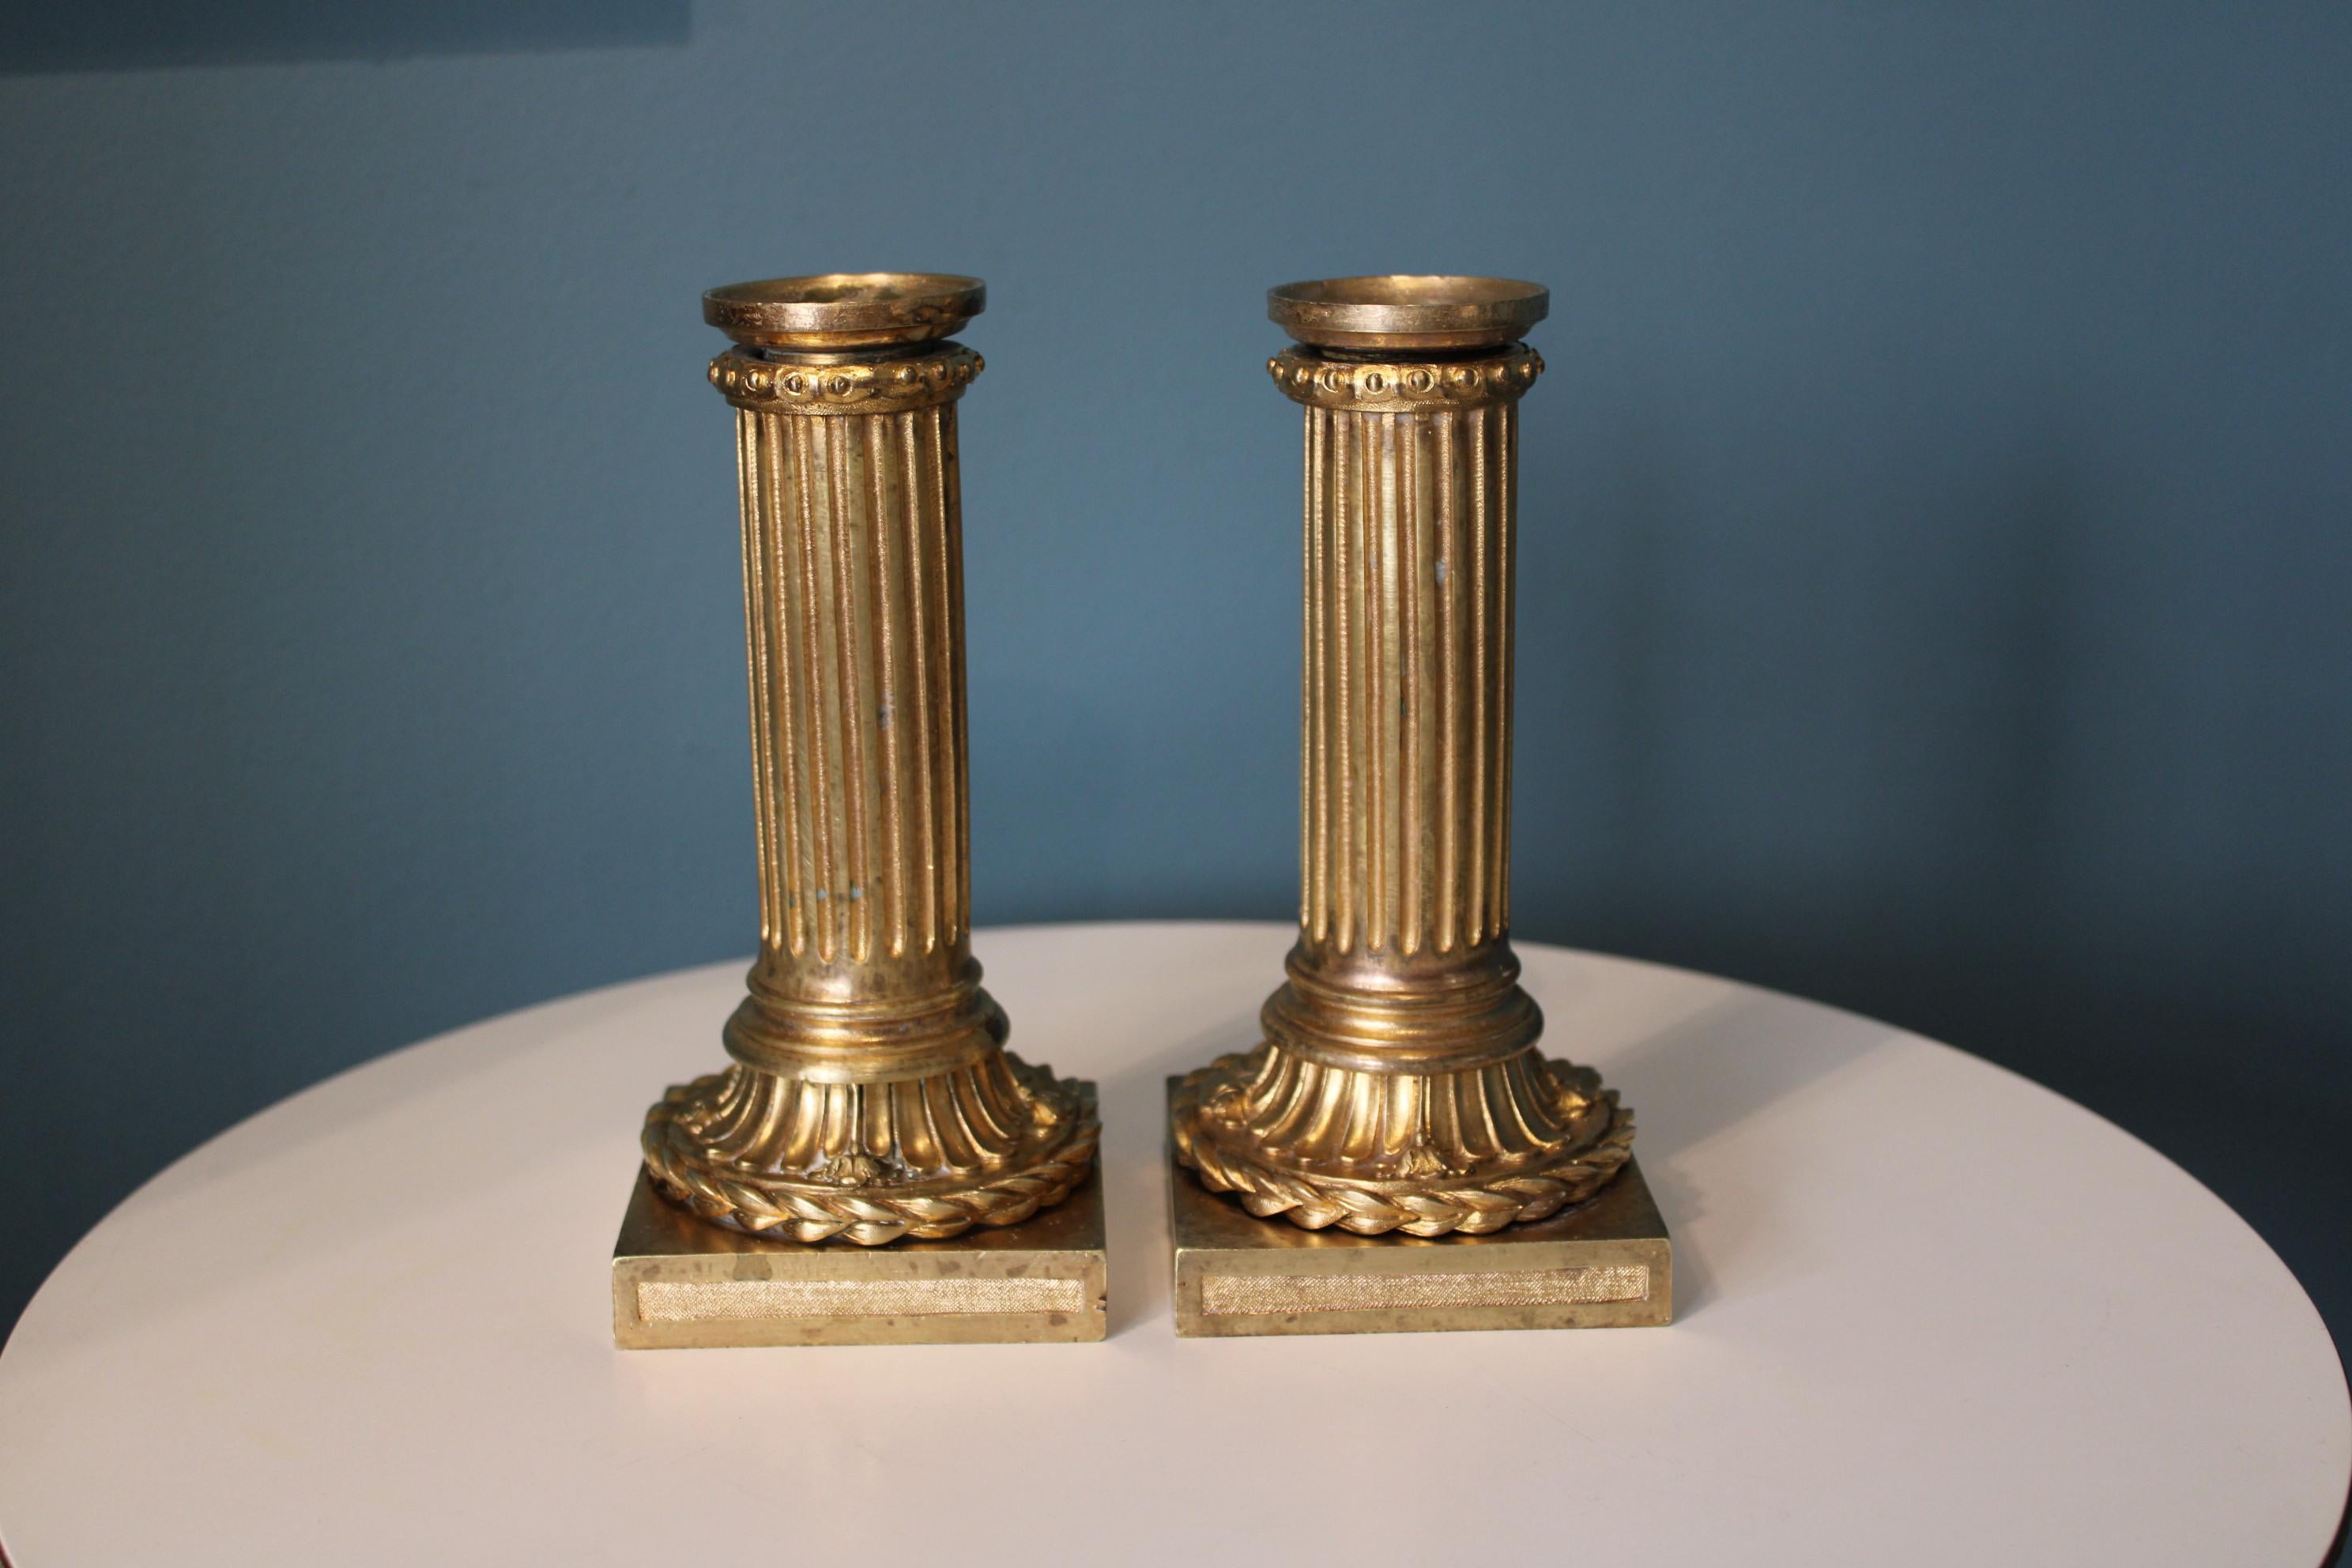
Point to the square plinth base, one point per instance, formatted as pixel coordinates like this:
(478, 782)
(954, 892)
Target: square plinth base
(680, 1284)
(1605, 1263)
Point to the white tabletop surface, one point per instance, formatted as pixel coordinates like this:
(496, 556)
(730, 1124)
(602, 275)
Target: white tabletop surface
(1928, 1313)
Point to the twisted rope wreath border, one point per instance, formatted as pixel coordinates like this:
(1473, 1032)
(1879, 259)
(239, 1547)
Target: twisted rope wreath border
(871, 1217)
(1316, 1204)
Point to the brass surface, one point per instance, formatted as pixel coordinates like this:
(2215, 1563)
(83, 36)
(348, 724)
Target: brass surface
(844, 311)
(870, 1098)
(1398, 1086)
(1408, 313)
(1605, 1263)
(678, 1284)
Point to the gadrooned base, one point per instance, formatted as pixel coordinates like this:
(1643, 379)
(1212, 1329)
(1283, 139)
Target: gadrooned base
(1605, 1263)
(681, 1283)
(1043, 1131)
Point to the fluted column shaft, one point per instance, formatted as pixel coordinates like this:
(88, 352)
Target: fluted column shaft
(853, 598)
(1404, 830)
(1405, 711)
(854, 611)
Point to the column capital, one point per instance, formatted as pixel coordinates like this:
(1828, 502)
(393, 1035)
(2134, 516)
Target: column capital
(770, 382)
(1358, 386)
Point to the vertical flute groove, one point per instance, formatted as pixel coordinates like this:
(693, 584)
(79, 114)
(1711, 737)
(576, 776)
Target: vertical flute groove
(1478, 661)
(856, 862)
(918, 661)
(940, 684)
(890, 893)
(747, 472)
(778, 689)
(782, 698)
(1318, 877)
(1376, 629)
(816, 774)
(1447, 696)
(1341, 872)
(793, 701)
(950, 547)
(1410, 860)
(1499, 917)
(1309, 725)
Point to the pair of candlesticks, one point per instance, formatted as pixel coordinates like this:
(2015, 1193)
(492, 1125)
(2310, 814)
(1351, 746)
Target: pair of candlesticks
(874, 1166)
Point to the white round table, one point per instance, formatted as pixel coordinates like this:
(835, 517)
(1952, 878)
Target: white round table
(1928, 1313)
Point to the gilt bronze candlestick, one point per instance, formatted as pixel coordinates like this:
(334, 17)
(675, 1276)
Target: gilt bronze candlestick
(1398, 1088)
(870, 1103)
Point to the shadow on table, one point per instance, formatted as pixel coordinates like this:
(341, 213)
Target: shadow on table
(1701, 1077)
(1135, 1166)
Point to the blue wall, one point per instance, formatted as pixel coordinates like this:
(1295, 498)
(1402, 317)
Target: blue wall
(1936, 574)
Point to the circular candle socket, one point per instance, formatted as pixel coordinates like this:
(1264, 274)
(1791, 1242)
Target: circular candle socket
(1411, 312)
(837, 310)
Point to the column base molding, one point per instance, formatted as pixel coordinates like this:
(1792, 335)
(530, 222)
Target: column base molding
(921, 1159)
(1427, 1153)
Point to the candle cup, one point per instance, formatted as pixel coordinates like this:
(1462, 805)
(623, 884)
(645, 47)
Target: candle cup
(1398, 1088)
(870, 1100)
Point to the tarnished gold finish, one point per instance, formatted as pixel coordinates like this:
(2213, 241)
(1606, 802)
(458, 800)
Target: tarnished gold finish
(1606, 1263)
(1419, 315)
(837, 311)
(678, 1284)
(1399, 1086)
(870, 1098)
